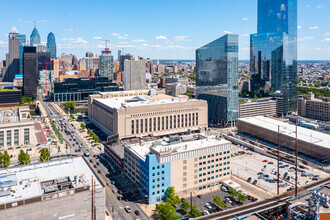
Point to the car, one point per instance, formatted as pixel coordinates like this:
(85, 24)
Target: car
(114, 190)
(270, 162)
(265, 161)
(120, 192)
(136, 212)
(250, 198)
(315, 178)
(107, 175)
(98, 163)
(205, 212)
(99, 171)
(307, 182)
(240, 192)
(227, 200)
(254, 200)
(91, 160)
(128, 209)
(224, 188)
(249, 179)
(119, 198)
(254, 182)
(266, 175)
(207, 205)
(199, 196)
(260, 173)
(95, 166)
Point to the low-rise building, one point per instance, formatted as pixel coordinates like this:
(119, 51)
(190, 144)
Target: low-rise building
(310, 107)
(16, 127)
(193, 163)
(60, 189)
(126, 114)
(9, 97)
(258, 108)
(175, 89)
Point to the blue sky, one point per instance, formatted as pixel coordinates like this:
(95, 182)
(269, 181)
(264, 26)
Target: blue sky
(158, 29)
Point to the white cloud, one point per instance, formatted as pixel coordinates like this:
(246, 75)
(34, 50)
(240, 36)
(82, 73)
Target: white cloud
(68, 39)
(299, 27)
(42, 21)
(68, 29)
(115, 34)
(326, 40)
(138, 40)
(245, 19)
(123, 42)
(306, 38)
(161, 37)
(319, 6)
(79, 40)
(181, 38)
(3, 43)
(313, 27)
(327, 34)
(122, 37)
(97, 38)
(245, 35)
(227, 32)
(126, 35)
(307, 6)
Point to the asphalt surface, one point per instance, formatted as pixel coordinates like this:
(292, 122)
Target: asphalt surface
(104, 171)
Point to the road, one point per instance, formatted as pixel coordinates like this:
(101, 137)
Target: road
(102, 168)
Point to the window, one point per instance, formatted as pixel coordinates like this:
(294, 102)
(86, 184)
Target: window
(1, 139)
(146, 125)
(178, 121)
(170, 122)
(26, 135)
(158, 123)
(200, 158)
(186, 120)
(166, 122)
(163, 123)
(182, 120)
(197, 118)
(141, 125)
(132, 126)
(154, 124)
(189, 119)
(8, 138)
(174, 121)
(137, 126)
(150, 124)
(193, 119)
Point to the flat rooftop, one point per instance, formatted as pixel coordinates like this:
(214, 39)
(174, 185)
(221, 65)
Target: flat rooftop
(30, 181)
(163, 145)
(135, 101)
(304, 134)
(8, 116)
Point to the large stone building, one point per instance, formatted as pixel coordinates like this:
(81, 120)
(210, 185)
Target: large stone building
(313, 108)
(136, 114)
(60, 189)
(192, 164)
(16, 127)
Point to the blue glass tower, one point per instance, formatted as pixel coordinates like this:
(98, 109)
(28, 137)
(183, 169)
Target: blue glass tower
(51, 45)
(22, 42)
(35, 37)
(217, 78)
(273, 54)
(106, 64)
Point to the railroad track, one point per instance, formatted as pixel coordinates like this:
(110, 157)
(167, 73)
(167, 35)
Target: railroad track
(262, 205)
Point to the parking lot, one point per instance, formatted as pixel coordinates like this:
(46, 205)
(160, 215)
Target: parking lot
(261, 171)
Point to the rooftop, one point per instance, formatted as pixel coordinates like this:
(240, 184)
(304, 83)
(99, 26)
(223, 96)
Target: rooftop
(29, 181)
(11, 115)
(304, 134)
(177, 145)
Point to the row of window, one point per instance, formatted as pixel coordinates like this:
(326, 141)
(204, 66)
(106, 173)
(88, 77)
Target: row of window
(213, 155)
(16, 137)
(164, 112)
(163, 123)
(211, 167)
(213, 177)
(212, 161)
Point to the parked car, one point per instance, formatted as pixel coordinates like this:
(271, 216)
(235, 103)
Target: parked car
(265, 161)
(270, 162)
(205, 212)
(249, 179)
(128, 209)
(254, 182)
(254, 200)
(207, 205)
(224, 188)
(136, 212)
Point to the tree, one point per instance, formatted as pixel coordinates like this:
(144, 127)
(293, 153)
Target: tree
(24, 158)
(233, 192)
(5, 159)
(70, 104)
(44, 155)
(166, 212)
(242, 197)
(25, 99)
(82, 126)
(195, 212)
(171, 197)
(185, 206)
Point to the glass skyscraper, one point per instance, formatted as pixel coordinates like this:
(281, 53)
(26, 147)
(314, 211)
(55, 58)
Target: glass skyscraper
(51, 45)
(35, 37)
(273, 54)
(217, 78)
(106, 64)
(22, 42)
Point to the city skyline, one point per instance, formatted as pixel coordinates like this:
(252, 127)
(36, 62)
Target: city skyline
(164, 31)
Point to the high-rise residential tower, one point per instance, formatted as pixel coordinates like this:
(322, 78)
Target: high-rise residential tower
(35, 37)
(273, 54)
(106, 64)
(30, 68)
(217, 78)
(135, 74)
(51, 45)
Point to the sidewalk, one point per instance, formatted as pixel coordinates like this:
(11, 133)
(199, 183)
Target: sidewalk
(59, 109)
(147, 209)
(42, 109)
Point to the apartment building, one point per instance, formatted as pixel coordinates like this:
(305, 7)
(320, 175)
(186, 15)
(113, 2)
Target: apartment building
(131, 115)
(310, 107)
(192, 163)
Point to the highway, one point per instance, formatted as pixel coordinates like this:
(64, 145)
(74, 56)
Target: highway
(101, 168)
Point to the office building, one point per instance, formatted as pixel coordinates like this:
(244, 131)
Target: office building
(310, 107)
(12, 60)
(312, 143)
(106, 64)
(35, 37)
(30, 75)
(175, 89)
(262, 107)
(161, 68)
(217, 78)
(78, 89)
(135, 74)
(46, 77)
(60, 189)
(16, 127)
(130, 114)
(273, 54)
(44, 61)
(181, 80)
(56, 67)
(191, 164)
(150, 67)
(9, 97)
(51, 45)
(22, 42)
(122, 59)
(82, 65)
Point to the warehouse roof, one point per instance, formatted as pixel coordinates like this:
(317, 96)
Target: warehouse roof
(304, 134)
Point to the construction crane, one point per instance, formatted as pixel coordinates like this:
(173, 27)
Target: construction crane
(46, 72)
(106, 42)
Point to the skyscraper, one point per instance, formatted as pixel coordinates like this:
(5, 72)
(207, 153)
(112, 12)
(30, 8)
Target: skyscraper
(51, 45)
(122, 59)
(22, 42)
(30, 72)
(106, 64)
(35, 37)
(12, 59)
(135, 74)
(217, 78)
(273, 55)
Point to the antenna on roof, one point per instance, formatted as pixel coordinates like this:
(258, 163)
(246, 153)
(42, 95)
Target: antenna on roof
(35, 24)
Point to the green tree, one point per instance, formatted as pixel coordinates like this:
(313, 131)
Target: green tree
(24, 158)
(195, 212)
(5, 159)
(185, 206)
(242, 197)
(44, 155)
(82, 126)
(70, 104)
(171, 197)
(233, 192)
(26, 99)
(166, 212)
(217, 199)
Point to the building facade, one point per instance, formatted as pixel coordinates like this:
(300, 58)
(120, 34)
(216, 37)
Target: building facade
(122, 58)
(22, 42)
(51, 45)
(310, 107)
(80, 88)
(35, 37)
(106, 64)
(134, 114)
(195, 165)
(135, 74)
(217, 78)
(273, 51)
(10, 98)
(258, 108)
(12, 60)
(30, 75)
(175, 89)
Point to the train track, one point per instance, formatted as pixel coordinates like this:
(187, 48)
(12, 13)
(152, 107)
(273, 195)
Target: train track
(261, 206)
